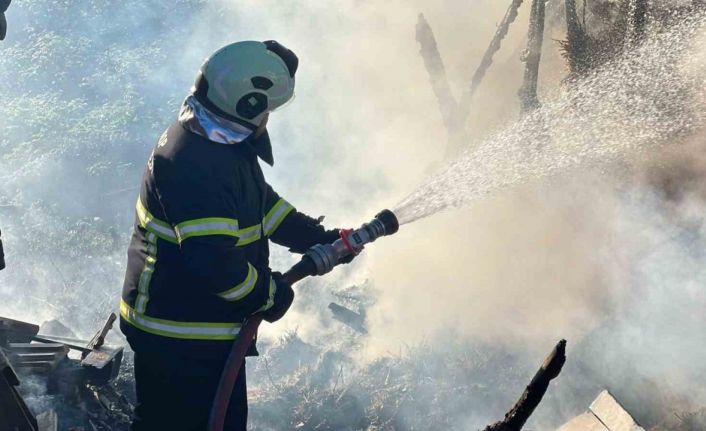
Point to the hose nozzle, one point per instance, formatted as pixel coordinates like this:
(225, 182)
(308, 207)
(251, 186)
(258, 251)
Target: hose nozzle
(389, 221)
(326, 256)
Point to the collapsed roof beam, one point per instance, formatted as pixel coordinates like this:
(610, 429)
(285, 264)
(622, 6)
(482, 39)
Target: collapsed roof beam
(532, 57)
(576, 41)
(487, 60)
(440, 86)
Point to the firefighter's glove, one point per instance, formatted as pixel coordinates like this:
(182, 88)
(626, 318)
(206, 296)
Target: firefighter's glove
(281, 298)
(329, 236)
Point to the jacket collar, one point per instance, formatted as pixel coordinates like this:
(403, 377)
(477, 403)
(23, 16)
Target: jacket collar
(197, 119)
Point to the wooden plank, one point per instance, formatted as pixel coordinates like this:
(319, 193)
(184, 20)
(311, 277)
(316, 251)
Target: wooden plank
(98, 339)
(609, 411)
(585, 422)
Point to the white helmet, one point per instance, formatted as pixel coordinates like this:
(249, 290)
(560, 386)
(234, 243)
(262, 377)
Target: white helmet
(244, 81)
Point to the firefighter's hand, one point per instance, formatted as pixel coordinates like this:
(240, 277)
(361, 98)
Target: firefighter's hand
(283, 298)
(328, 237)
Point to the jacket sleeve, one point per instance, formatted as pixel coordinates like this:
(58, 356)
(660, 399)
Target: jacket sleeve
(286, 226)
(205, 220)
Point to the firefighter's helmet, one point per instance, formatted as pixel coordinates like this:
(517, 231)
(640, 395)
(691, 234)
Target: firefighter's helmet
(244, 81)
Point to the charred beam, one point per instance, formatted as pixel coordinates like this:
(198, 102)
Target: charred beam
(575, 46)
(440, 84)
(532, 57)
(487, 60)
(99, 339)
(638, 20)
(516, 418)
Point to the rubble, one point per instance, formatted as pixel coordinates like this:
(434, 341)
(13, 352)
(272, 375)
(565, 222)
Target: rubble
(81, 385)
(14, 414)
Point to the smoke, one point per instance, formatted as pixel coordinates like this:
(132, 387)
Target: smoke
(607, 256)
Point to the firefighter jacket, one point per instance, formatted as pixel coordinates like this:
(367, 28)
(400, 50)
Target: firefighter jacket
(198, 258)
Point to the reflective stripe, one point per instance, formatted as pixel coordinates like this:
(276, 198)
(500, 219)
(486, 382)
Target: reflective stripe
(243, 289)
(206, 226)
(276, 215)
(149, 222)
(176, 329)
(249, 235)
(146, 275)
(271, 297)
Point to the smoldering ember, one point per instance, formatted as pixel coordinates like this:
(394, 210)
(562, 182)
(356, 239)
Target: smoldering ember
(538, 167)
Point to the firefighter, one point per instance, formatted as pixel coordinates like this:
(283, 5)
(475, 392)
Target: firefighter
(198, 258)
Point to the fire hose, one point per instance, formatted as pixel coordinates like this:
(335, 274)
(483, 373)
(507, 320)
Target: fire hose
(318, 260)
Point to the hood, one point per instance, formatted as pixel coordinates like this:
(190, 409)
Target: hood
(195, 118)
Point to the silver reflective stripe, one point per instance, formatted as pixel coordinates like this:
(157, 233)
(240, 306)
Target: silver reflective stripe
(271, 297)
(243, 289)
(149, 222)
(206, 226)
(249, 235)
(276, 215)
(177, 329)
(146, 275)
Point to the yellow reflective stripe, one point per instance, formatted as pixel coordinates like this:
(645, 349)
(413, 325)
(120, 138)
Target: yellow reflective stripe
(146, 275)
(271, 297)
(150, 223)
(248, 235)
(276, 215)
(243, 289)
(177, 329)
(206, 226)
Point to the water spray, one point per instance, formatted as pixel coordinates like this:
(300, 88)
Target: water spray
(318, 260)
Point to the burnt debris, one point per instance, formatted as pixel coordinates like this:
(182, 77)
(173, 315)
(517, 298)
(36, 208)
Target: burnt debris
(516, 418)
(78, 374)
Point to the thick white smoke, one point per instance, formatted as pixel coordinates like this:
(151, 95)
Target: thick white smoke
(595, 253)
